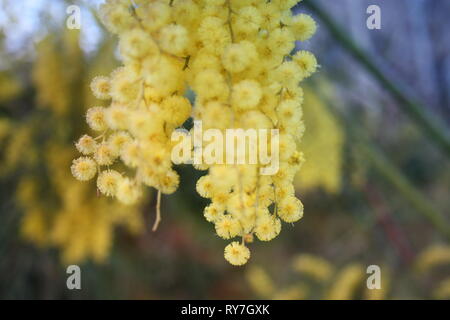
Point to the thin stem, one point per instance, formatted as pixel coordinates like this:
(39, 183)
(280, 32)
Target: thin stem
(230, 26)
(158, 212)
(418, 113)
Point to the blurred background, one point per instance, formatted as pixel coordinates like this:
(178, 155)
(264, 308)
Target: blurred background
(375, 185)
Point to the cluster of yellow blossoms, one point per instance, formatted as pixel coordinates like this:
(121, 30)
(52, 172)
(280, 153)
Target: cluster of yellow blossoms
(236, 57)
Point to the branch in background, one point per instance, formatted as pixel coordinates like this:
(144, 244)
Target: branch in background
(388, 170)
(429, 124)
(394, 233)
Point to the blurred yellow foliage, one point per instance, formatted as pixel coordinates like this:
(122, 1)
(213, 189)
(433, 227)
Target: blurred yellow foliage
(443, 290)
(313, 266)
(322, 145)
(347, 282)
(59, 211)
(260, 282)
(434, 256)
(10, 86)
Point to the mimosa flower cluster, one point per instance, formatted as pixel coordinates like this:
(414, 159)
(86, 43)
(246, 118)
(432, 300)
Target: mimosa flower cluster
(236, 55)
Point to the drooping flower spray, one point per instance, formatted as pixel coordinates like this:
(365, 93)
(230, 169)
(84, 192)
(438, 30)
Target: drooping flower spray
(236, 56)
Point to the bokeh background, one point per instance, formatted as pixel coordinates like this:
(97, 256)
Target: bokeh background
(375, 185)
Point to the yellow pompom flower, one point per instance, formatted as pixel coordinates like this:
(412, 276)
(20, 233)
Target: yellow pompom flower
(246, 94)
(154, 15)
(116, 117)
(116, 17)
(289, 112)
(306, 61)
(95, 118)
(227, 227)
(130, 154)
(174, 39)
(267, 228)
(210, 84)
(179, 108)
(124, 87)
(213, 212)
(290, 209)
(136, 44)
(105, 154)
(238, 56)
(236, 254)
(107, 182)
(86, 145)
(100, 87)
(204, 186)
(83, 168)
(118, 140)
(169, 182)
(303, 27)
(288, 74)
(128, 192)
(282, 40)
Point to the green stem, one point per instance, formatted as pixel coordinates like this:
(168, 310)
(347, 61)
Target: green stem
(388, 170)
(430, 124)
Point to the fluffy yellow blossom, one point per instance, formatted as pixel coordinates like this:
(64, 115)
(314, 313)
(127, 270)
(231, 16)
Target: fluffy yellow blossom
(108, 181)
(118, 140)
(100, 87)
(174, 39)
(95, 118)
(227, 227)
(86, 145)
(246, 94)
(306, 61)
(153, 15)
(116, 117)
(178, 107)
(237, 254)
(127, 191)
(84, 168)
(303, 27)
(105, 154)
(291, 209)
(136, 44)
(130, 154)
(267, 228)
(213, 212)
(238, 56)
